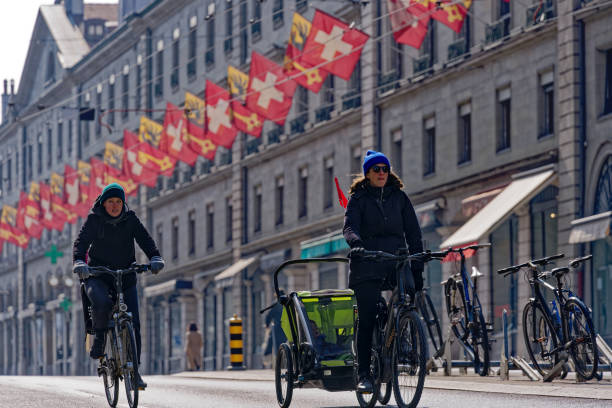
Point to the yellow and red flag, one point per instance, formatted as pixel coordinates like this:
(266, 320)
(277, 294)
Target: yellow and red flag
(296, 67)
(244, 119)
(195, 108)
(84, 173)
(150, 131)
(173, 137)
(28, 216)
(333, 45)
(200, 142)
(72, 189)
(8, 228)
(49, 220)
(113, 158)
(58, 204)
(134, 160)
(270, 90)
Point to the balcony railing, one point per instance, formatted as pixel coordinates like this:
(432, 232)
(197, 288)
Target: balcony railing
(226, 158)
(323, 114)
(497, 30)
(298, 124)
(422, 65)
(457, 49)
(387, 82)
(351, 99)
(252, 146)
(538, 13)
(274, 135)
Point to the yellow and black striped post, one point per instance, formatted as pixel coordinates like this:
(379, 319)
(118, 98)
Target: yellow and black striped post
(236, 345)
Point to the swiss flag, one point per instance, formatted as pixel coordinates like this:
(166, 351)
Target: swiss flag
(28, 216)
(244, 120)
(72, 188)
(132, 162)
(84, 172)
(218, 121)
(333, 46)
(173, 139)
(58, 203)
(270, 90)
(97, 178)
(409, 24)
(49, 220)
(200, 142)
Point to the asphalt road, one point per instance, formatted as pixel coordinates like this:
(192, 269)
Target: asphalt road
(172, 391)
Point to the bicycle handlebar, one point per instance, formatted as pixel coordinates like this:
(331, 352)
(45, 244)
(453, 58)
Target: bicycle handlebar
(138, 268)
(386, 256)
(574, 263)
(542, 261)
(465, 248)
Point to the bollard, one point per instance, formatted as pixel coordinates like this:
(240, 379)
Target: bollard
(236, 344)
(503, 362)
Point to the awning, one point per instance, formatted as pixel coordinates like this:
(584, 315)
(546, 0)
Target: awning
(163, 288)
(523, 188)
(591, 228)
(323, 245)
(236, 268)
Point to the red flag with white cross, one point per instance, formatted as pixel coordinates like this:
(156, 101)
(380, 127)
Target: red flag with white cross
(72, 189)
(28, 216)
(409, 24)
(134, 165)
(270, 90)
(218, 120)
(333, 46)
(173, 139)
(49, 220)
(244, 120)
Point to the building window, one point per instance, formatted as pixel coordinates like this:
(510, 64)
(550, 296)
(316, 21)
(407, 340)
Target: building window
(60, 140)
(301, 6)
(69, 138)
(99, 111)
(328, 183)
(30, 164)
(175, 238)
(111, 101)
(174, 77)
(229, 214)
(464, 133)
(192, 50)
(51, 66)
(504, 8)
(356, 160)
(229, 26)
(40, 154)
(543, 209)
(244, 34)
(546, 105)
(256, 25)
(49, 148)
(608, 85)
(125, 93)
(503, 119)
(138, 86)
(396, 151)
(279, 200)
(159, 63)
(429, 146)
(303, 192)
(160, 237)
(9, 175)
(210, 226)
(277, 14)
(191, 238)
(210, 37)
(257, 209)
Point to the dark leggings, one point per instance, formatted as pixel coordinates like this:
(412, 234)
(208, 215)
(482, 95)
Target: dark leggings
(367, 294)
(99, 294)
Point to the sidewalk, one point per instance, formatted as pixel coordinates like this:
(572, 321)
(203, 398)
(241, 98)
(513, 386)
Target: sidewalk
(518, 384)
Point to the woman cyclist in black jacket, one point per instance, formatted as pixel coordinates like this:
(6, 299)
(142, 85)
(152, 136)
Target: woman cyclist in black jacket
(107, 238)
(379, 217)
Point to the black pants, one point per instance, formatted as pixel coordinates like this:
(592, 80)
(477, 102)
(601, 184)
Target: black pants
(367, 294)
(101, 296)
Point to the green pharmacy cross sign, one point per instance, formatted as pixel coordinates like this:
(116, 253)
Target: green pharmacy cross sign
(53, 253)
(66, 304)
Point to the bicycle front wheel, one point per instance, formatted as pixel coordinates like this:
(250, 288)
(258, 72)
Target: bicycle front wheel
(409, 361)
(384, 392)
(108, 371)
(430, 317)
(480, 345)
(457, 309)
(540, 338)
(582, 336)
(130, 364)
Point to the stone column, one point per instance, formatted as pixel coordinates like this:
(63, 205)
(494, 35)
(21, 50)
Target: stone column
(247, 320)
(165, 337)
(368, 82)
(237, 198)
(523, 287)
(20, 306)
(220, 329)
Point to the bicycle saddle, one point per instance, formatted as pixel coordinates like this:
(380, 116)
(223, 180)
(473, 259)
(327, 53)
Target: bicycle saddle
(559, 271)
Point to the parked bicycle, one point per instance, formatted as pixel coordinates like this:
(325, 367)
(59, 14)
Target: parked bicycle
(429, 316)
(567, 328)
(120, 360)
(465, 312)
(399, 346)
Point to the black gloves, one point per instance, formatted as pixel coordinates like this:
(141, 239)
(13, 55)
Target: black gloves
(356, 252)
(80, 268)
(157, 264)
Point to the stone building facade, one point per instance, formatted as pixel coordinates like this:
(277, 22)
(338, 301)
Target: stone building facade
(521, 95)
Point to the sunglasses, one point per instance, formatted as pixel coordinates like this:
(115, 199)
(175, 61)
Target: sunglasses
(378, 169)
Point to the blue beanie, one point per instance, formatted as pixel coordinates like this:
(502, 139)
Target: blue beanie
(373, 157)
(112, 190)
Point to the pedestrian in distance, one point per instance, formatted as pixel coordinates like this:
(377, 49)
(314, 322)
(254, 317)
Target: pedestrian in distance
(107, 239)
(379, 217)
(193, 348)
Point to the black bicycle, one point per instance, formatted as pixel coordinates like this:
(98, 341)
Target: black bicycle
(465, 312)
(566, 328)
(399, 345)
(120, 360)
(429, 316)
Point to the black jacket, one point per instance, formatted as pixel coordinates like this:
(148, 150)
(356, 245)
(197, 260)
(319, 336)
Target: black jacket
(110, 241)
(380, 219)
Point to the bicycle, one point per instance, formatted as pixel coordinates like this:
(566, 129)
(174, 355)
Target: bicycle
(550, 334)
(399, 346)
(429, 316)
(465, 313)
(120, 360)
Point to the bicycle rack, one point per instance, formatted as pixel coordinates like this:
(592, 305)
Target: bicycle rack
(605, 352)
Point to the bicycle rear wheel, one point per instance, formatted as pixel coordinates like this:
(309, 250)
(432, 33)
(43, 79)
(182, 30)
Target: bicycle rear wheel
(540, 338)
(369, 400)
(409, 361)
(581, 334)
(283, 375)
(108, 371)
(384, 392)
(480, 345)
(130, 364)
(456, 309)
(430, 317)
